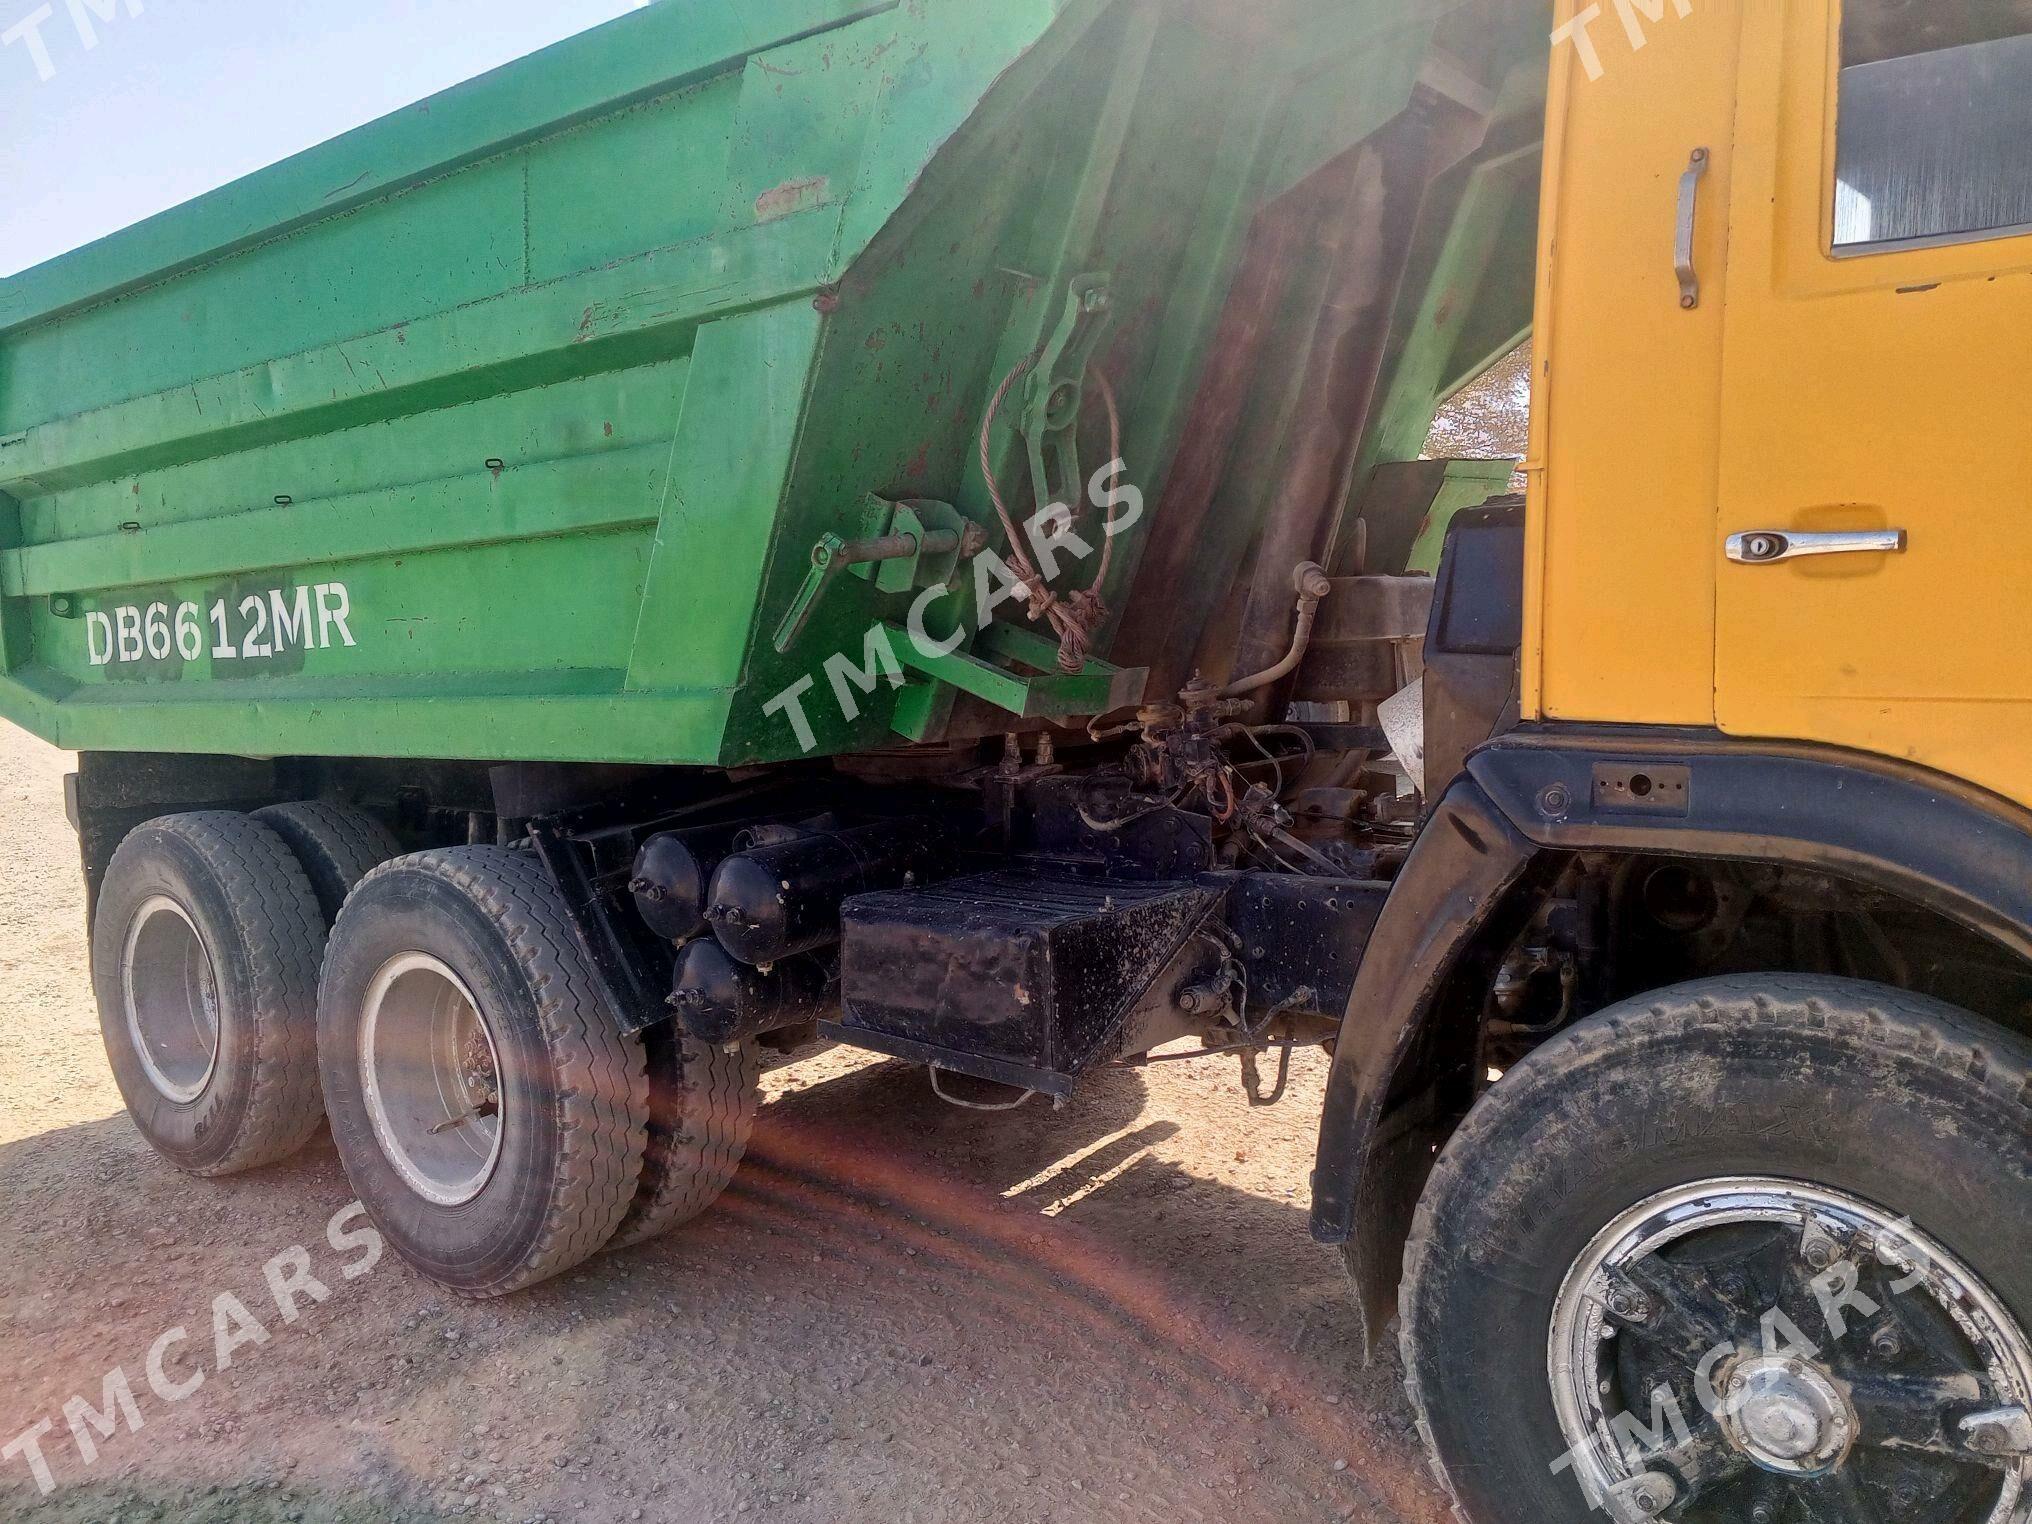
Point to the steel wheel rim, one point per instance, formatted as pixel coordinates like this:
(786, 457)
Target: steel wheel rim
(1777, 1421)
(170, 994)
(432, 1079)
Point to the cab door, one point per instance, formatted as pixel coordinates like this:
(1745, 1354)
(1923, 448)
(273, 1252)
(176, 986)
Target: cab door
(1874, 548)
(1626, 394)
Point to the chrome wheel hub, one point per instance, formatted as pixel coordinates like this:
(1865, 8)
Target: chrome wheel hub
(1765, 1350)
(1787, 1416)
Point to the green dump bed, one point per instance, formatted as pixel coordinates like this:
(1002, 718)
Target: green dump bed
(505, 427)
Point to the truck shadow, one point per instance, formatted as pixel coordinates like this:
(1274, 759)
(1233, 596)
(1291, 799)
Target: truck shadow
(900, 1310)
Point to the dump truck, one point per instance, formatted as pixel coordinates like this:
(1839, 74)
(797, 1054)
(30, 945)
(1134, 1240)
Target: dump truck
(903, 523)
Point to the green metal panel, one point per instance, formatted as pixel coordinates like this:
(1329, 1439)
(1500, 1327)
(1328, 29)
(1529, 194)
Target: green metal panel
(640, 58)
(738, 439)
(1469, 484)
(1451, 309)
(503, 428)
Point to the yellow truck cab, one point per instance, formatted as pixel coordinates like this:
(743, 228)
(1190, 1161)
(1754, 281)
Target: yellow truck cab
(1832, 349)
(1758, 802)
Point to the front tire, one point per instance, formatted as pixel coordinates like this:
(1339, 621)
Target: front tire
(1636, 1220)
(488, 1110)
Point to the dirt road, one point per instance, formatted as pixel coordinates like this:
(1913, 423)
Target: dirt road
(902, 1312)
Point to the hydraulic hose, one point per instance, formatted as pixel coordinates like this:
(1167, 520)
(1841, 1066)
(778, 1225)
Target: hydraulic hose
(1310, 582)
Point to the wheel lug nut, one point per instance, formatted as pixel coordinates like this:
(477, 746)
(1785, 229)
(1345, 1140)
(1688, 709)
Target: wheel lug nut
(1817, 1247)
(1648, 1495)
(1631, 1306)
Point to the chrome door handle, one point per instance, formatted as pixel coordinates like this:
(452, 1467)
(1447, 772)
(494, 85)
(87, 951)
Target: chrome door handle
(1761, 547)
(1689, 210)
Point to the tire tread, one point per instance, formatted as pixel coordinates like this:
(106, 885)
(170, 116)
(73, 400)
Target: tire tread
(602, 1095)
(346, 843)
(702, 1116)
(283, 934)
(1893, 1020)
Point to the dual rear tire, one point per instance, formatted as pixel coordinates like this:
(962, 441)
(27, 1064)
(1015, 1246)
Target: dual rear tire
(499, 1126)
(206, 944)
(335, 845)
(485, 1105)
(496, 1123)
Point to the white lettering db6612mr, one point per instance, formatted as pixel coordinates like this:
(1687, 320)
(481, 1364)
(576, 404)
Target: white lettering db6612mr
(260, 624)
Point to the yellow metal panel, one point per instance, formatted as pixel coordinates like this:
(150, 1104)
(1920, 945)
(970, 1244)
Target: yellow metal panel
(1883, 390)
(1620, 605)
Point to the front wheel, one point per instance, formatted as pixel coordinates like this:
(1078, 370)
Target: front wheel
(1755, 1250)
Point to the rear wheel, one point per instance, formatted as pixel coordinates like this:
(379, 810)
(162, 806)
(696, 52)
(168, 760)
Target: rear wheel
(702, 1102)
(487, 1109)
(1747, 1250)
(205, 951)
(336, 844)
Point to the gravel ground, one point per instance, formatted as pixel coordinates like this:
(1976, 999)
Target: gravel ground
(901, 1312)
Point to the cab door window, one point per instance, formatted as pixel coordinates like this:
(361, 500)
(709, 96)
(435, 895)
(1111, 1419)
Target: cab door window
(1934, 135)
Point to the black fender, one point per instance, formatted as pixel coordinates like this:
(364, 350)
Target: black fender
(1367, 1179)
(1558, 789)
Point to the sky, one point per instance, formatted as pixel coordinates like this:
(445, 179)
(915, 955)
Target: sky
(172, 98)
